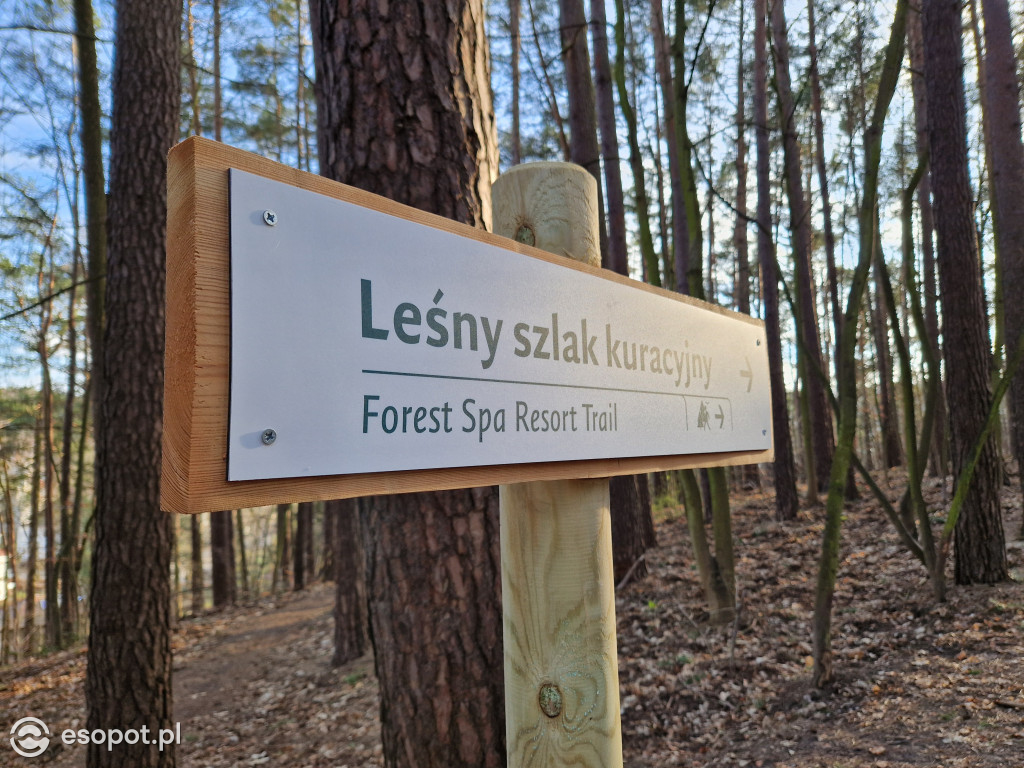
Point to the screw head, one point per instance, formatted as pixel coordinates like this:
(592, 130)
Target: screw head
(759, 342)
(764, 432)
(270, 218)
(268, 437)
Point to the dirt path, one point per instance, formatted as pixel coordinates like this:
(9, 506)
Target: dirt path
(261, 691)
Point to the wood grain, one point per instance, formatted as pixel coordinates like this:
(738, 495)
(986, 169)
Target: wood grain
(557, 576)
(197, 362)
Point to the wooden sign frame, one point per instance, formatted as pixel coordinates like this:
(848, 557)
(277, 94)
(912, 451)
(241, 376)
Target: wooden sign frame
(198, 347)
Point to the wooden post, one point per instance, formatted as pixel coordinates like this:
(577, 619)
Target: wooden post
(558, 592)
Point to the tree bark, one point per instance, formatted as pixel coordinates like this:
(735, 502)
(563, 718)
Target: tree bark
(29, 628)
(680, 225)
(1002, 104)
(980, 544)
(349, 581)
(282, 557)
(197, 580)
(617, 254)
(939, 457)
(636, 162)
(300, 570)
(404, 110)
(632, 532)
(583, 144)
(786, 496)
(68, 529)
(240, 527)
(222, 556)
(128, 680)
(800, 226)
(94, 185)
(515, 12)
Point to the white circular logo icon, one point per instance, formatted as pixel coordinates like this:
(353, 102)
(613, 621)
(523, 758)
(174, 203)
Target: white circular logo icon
(30, 737)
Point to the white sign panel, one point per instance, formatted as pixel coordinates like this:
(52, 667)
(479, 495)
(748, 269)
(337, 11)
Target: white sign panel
(363, 342)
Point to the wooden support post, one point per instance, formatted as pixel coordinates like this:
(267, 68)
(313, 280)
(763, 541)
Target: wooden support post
(558, 592)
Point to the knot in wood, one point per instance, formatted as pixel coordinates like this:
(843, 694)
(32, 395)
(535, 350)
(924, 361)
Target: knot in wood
(525, 234)
(550, 699)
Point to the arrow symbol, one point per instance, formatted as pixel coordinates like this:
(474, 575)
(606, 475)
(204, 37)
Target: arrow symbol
(721, 417)
(748, 374)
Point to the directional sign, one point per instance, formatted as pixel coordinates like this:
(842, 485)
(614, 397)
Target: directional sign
(363, 347)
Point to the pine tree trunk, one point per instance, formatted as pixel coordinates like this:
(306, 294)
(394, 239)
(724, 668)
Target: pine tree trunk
(349, 581)
(128, 681)
(29, 628)
(616, 258)
(94, 185)
(680, 225)
(583, 144)
(300, 571)
(515, 8)
(939, 458)
(1003, 107)
(823, 185)
(240, 527)
(800, 224)
(222, 556)
(888, 417)
(636, 162)
(282, 555)
(980, 543)
(786, 496)
(197, 580)
(406, 113)
(68, 534)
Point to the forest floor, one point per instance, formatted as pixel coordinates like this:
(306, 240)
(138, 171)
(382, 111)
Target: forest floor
(920, 684)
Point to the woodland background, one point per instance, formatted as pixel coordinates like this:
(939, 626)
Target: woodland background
(852, 173)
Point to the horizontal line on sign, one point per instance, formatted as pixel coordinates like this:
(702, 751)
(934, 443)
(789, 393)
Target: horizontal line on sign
(540, 384)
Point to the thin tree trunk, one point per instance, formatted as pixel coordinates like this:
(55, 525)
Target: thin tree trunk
(198, 585)
(786, 495)
(680, 224)
(823, 184)
(282, 553)
(69, 535)
(299, 570)
(550, 92)
(240, 527)
(515, 9)
(349, 581)
(94, 184)
(800, 224)
(218, 111)
(584, 149)
(939, 457)
(29, 628)
(222, 556)
(888, 416)
(828, 564)
(196, 124)
(10, 644)
(636, 162)
(616, 257)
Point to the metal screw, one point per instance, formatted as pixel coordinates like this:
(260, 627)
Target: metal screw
(759, 342)
(764, 431)
(270, 218)
(268, 437)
